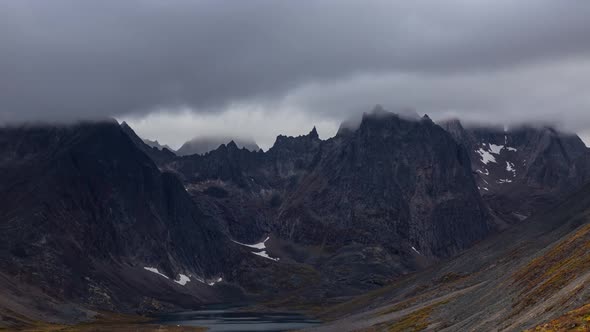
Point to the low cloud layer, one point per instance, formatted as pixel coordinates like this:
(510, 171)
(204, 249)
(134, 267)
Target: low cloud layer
(241, 122)
(316, 61)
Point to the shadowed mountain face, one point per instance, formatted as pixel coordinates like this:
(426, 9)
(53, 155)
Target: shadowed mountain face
(156, 153)
(392, 182)
(377, 201)
(523, 169)
(84, 211)
(201, 145)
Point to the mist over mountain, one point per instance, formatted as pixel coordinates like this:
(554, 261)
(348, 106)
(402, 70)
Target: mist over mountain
(523, 169)
(201, 145)
(156, 144)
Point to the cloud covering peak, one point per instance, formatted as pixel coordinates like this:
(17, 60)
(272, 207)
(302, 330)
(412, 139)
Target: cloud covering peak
(483, 60)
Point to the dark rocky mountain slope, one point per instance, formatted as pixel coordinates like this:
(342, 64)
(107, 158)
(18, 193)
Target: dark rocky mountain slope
(523, 169)
(157, 154)
(87, 218)
(393, 182)
(93, 218)
(365, 206)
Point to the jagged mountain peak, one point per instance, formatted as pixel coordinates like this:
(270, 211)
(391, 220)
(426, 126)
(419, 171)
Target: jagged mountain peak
(232, 145)
(388, 123)
(157, 145)
(313, 134)
(292, 141)
(204, 144)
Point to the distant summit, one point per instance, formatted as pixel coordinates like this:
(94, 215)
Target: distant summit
(202, 145)
(156, 144)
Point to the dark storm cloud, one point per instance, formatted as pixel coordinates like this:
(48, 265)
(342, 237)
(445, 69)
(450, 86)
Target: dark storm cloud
(83, 59)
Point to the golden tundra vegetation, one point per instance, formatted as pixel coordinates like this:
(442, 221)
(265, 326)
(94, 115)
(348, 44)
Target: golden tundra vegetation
(575, 320)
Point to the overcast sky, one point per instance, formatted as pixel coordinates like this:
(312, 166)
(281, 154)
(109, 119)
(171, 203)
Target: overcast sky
(179, 69)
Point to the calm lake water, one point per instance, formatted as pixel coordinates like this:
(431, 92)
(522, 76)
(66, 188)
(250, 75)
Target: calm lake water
(227, 318)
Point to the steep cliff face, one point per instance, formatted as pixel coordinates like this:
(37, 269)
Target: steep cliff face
(156, 152)
(519, 170)
(85, 212)
(404, 185)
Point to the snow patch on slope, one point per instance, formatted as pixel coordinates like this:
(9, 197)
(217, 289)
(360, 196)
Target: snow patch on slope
(486, 157)
(510, 168)
(182, 279)
(260, 245)
(155, 270)
(495, 149)
(265, 255)
(484, 173)
(487, 153)
(213, 282)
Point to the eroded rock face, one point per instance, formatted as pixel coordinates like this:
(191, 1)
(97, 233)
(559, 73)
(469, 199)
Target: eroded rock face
(522, 169)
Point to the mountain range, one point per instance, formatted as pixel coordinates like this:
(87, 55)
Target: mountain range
(201, 145)
(394, 221)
